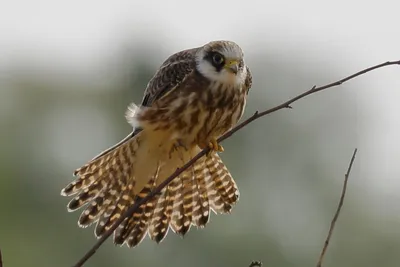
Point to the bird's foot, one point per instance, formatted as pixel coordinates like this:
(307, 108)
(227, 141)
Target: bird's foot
(213, 146)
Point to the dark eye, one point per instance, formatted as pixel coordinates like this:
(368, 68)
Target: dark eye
(218, 59)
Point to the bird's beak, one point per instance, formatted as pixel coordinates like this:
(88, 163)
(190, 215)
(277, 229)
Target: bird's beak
(232, 66)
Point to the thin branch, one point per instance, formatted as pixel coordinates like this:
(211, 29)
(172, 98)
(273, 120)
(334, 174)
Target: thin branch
(339, 208)
(1, 260)
(255, 264)
(255, 116)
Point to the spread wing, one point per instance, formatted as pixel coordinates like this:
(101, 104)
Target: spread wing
(171, 73)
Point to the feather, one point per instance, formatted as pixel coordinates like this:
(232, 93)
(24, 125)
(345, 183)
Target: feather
(181, 110)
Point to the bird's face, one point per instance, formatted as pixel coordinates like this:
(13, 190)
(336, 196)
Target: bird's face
(222, 61)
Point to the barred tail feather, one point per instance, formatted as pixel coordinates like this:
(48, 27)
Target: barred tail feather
(160, 220)
(86, 195)
(100, 184)
(205, 186)
(120, 201)
(176, 191)
(95, 208)
(227, 193)
(87, 175)
(133, 229)
(137, 229)
(201, 210)
(111, 183)
(187, 194)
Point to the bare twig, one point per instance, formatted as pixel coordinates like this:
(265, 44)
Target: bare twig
(1, 260)
(255, 116)
(255, 264)
(336, 216)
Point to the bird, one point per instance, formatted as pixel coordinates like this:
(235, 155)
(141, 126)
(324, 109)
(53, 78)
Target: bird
(195, 96)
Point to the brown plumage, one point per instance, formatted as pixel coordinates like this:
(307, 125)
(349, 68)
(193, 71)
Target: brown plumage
(195, 96)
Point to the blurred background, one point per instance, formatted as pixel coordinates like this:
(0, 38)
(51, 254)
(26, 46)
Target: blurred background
(68, 70)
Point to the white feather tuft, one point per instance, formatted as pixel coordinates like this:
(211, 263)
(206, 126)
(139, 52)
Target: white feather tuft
(131, 113)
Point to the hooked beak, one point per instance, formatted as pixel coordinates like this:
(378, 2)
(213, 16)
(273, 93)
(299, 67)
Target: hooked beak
(232, 66)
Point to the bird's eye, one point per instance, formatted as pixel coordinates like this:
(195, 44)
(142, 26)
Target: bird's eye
(218, 59)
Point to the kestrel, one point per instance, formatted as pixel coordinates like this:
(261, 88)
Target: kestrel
(196, 96)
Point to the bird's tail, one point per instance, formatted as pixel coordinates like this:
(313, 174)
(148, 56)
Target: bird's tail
(108, 185)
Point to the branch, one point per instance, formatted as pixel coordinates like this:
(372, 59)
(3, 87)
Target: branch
(1, 260)
(339, 208)
(255, 116)
(255, 264)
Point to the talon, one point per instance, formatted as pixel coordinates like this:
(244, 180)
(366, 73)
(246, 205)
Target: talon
(214, 146)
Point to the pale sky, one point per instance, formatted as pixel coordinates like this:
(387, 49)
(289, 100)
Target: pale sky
(83, 31)
(350, 34)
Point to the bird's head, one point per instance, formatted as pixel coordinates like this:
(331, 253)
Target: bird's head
(222, 61)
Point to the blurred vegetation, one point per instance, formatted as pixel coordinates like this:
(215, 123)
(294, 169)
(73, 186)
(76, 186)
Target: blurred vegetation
(289, 167)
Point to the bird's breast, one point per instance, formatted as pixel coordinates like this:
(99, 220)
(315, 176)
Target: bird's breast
(223, 105)
(197, 115)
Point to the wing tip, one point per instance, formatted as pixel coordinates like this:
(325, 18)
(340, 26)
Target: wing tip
(63, 193)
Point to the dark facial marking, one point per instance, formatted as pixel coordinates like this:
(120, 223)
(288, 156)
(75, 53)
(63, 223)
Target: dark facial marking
(216, 59)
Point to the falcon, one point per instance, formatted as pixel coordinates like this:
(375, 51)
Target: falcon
(195, 96)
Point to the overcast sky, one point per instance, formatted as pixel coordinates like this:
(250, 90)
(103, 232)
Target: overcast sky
(82, 30)
(348, 34)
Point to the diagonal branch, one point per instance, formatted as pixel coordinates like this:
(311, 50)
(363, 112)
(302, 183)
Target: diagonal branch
(339, 208)
(255, 116)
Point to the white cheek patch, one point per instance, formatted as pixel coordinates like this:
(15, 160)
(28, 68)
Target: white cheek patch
(208, 70)
(224, 76)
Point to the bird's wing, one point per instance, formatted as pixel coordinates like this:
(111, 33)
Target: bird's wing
(171, 73)
(249, 80)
